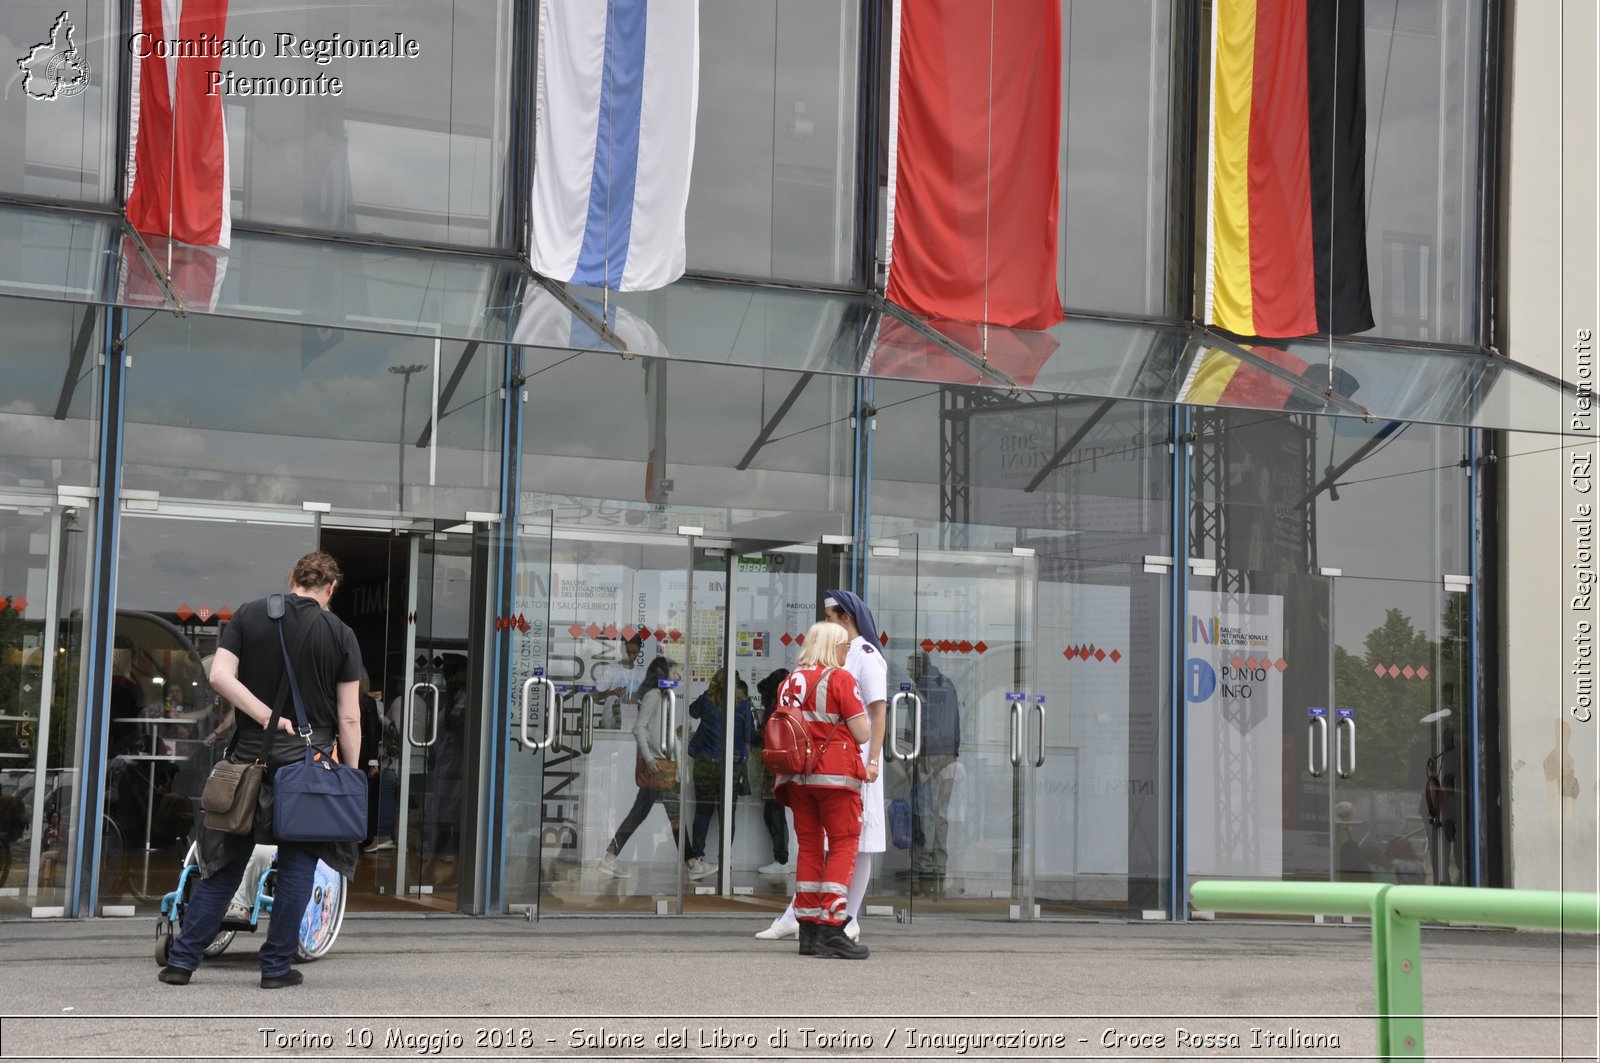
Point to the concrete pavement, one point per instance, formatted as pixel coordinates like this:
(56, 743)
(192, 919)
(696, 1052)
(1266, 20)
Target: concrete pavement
(399, 987)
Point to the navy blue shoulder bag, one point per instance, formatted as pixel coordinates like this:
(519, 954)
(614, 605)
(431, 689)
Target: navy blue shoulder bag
(317, 799)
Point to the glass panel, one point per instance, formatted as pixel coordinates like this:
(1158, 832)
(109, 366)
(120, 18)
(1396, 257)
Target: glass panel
(55, 255)
(1424, 67)
(1100, 822)
(773, 192)
(43, 553)
(616, 753)
(530, 696)
(58, 118)
(178, 582)
(367, 424)
(340, 286)
(410, 148)
(1115, 186)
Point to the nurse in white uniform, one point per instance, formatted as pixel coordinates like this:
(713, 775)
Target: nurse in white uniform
(865, 662)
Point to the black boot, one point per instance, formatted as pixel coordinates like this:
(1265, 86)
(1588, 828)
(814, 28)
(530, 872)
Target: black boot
(808, 938)
(832, 943)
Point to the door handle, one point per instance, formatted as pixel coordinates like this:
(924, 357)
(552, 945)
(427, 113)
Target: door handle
(916, 725)
(891, 747)
(586, 728)
(1039, 762)
(669, 723)
(550, 703)
(411, 710)
(1317, 728)
(1338, 747)
(1016, 733)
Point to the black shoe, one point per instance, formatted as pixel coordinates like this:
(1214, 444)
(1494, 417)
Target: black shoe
(282, 981)
(832, 944)
(175, 975)
(808, 939)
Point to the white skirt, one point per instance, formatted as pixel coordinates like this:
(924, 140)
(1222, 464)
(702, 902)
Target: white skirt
(872, 818)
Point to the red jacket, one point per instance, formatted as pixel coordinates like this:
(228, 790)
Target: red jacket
(838, 763)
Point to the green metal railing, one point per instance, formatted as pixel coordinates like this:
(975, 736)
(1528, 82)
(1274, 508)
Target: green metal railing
(1397, 914)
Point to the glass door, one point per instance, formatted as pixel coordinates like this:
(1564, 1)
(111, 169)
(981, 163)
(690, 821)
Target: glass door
(624, 637)
(438, 699)
(532, 697)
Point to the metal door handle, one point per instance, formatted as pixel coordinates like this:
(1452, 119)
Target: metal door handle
(1016, 733)
(669, 724)
(916, 725)
(1317, 724)
(891, 747)
(411, 710)
(1039, 762)
(586, 728)
(1338, 748)
(550, 703)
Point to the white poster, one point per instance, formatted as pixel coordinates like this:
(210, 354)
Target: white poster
(1233, 690)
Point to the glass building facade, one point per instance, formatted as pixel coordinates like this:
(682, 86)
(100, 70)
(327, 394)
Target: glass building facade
(1133, 639)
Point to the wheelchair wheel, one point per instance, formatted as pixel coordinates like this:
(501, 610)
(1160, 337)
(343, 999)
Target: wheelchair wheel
(219, 944)
(324, 914)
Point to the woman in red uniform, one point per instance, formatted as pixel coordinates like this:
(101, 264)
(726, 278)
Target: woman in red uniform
(826, 802)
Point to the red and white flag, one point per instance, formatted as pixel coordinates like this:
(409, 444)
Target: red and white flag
(177, 140)
(975, 134)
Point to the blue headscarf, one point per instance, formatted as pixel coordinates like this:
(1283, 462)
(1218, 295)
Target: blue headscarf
(856, 609)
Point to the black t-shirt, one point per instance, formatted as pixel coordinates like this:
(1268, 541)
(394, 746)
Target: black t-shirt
(329, 657)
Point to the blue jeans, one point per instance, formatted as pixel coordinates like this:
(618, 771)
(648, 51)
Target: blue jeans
(208, 902)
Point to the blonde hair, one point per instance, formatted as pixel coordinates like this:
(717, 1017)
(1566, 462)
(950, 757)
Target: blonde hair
(822, 644)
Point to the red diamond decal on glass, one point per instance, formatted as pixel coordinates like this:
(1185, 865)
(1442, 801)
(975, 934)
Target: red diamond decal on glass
(1099, 655)
(224, 614)
(966, 647)
(610, 631)
(594, 630)
(1394, 671)
(204, 612)
(980, 647)
(1281, 665)
(675, 635)
(661, 634)
(927, 645)
(1408, 671)
(786, 638)
(184, 612)
(522, 624)
(1422, 672)
(1116, 655)
(19, 603)
(3, 604)
(627, 633)
(883, 639)
(1238, 663)
(944, 646)
(1378, 670)
(576, 630)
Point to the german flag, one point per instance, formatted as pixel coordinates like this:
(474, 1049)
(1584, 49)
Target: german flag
(1286, 250)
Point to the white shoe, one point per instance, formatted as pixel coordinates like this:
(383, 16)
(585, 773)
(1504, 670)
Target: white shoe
(779, 930)
(381, 845)
(852, 929)
(608, 866)
(698, 868)
(236, 914)
(773, 868)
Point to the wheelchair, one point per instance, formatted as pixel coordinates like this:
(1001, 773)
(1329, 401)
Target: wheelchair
(319, 923)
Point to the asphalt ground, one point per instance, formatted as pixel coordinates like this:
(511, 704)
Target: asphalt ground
(396, 987)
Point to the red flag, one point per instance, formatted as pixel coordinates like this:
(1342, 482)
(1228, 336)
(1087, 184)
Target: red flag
(178, 142)
(975, 120)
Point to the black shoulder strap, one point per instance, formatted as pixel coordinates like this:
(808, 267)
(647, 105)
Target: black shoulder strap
(276, 602)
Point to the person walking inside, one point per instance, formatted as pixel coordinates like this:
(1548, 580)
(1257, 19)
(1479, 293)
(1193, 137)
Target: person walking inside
(772, 813)
(865, 662)
(826, 801)
(655, 773)
(705, 752)
(249, 672)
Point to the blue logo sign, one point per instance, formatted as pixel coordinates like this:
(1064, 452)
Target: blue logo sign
(1345, 714)
(1038, 699)
(1200, 680)
(668, 684)
(1317, 710)
(538, 673)
(906, 688)
(584, 688)
(1016, 695)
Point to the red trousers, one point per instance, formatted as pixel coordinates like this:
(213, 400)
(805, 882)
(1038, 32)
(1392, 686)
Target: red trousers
(827, 822)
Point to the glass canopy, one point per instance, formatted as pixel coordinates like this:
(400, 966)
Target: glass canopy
(81, 257)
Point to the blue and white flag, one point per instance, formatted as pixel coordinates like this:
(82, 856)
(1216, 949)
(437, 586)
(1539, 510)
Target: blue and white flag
(618, 90)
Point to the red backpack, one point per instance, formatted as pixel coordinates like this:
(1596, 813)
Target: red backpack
(787, 747)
